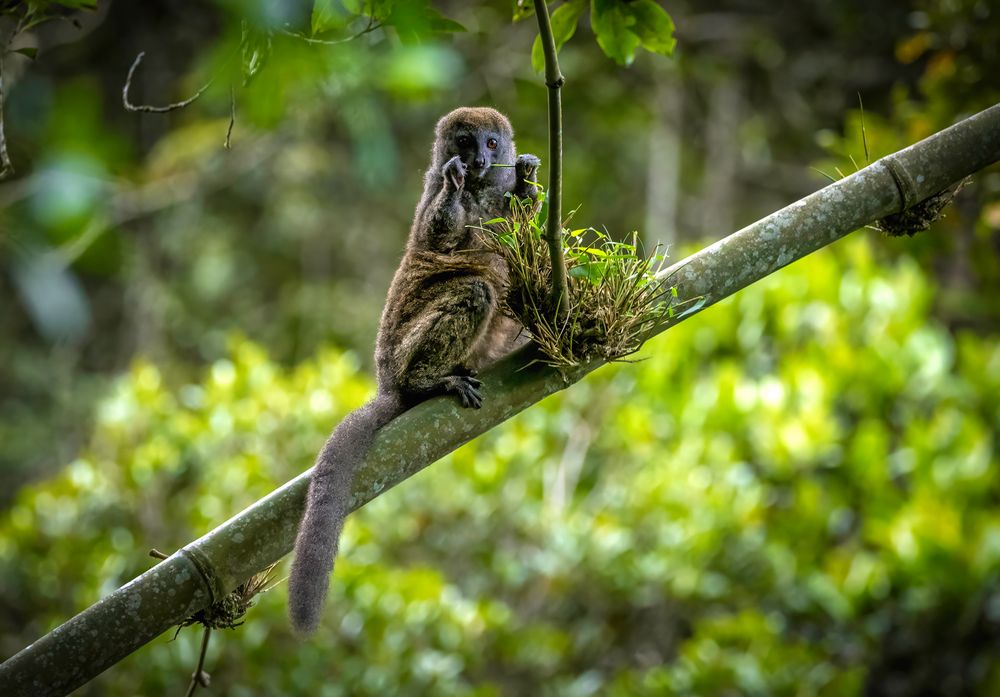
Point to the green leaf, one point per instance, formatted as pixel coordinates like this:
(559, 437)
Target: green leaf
(611, 22)
(30, 52)
(523, 9)
(538, 55)
(442, 24)
(415, 21)
(654, 26)
(700, 303)
(593, 271)
(326, 16)
(379, 9)
(622, 27)
(564, 22)
(256, 49)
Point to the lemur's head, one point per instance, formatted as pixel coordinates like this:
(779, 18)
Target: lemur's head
(481, 136)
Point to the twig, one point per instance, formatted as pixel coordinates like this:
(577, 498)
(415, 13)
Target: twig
(370, 27)
(148, 108)
(232, 116)
(553, 230)
(199, 676)
(864, 136)
(6, 166)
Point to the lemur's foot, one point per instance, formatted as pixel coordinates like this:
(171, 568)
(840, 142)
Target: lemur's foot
(466, 388)
(463, 370)
(454, 173)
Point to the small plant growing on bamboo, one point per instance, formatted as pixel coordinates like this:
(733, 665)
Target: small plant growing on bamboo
(615, 297)
(225, 614)
(916, 217)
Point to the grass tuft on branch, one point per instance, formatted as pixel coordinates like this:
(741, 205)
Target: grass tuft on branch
(614, 298)
(921, 215)
(228, 613)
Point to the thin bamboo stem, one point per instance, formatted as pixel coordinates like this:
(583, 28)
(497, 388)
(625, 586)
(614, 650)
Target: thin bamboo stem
(554, 80)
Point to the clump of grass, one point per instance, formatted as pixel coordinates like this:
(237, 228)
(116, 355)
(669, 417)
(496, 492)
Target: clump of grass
(916, 218)
(228, 613)
(615, 297)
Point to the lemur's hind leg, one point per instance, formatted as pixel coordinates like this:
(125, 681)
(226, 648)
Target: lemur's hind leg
(441, 339)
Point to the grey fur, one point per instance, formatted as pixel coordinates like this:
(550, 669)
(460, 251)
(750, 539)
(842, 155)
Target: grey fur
(440, 324)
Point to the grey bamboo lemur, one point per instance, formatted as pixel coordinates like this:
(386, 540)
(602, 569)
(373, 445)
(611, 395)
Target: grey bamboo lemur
(440, 324)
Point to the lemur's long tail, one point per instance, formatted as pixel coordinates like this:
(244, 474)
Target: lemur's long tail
(327, 505)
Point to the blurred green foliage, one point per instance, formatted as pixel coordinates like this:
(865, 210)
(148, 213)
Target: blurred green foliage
(788, 492)
(619, 27)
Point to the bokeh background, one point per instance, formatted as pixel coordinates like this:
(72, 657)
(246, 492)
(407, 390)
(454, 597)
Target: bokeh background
(795, 493)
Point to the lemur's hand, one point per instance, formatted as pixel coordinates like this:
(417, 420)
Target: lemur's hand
(527, 167)
(454, 174)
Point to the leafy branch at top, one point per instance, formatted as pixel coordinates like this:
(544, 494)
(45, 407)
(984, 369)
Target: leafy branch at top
(18, 17)
(621, 28)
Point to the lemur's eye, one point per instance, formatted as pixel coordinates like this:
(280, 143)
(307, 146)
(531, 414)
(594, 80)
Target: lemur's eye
(491, 143)
(464, 141)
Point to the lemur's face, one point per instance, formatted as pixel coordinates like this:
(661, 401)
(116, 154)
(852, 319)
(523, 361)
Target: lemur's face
(480, 148)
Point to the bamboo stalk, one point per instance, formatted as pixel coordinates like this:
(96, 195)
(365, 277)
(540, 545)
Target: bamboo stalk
(554, 80)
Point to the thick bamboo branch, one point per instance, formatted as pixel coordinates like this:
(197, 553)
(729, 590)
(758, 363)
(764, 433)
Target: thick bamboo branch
(210, 567)
(554, 80)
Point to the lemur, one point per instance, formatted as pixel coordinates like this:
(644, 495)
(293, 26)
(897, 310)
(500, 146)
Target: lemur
(439, 326)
